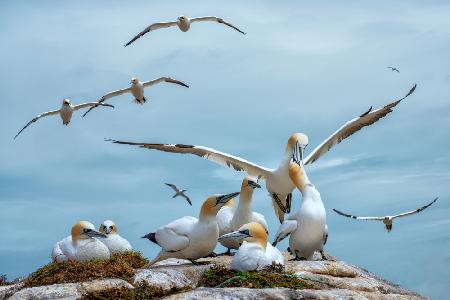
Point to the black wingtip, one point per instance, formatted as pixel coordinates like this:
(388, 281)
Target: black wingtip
(274, 243)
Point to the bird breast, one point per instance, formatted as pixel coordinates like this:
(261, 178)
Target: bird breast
(138, 91)
(90, 249)
(66, 114)
(184, 25)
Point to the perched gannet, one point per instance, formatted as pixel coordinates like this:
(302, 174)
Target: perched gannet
(243, 213)
(255, 253)
(137, 90)
(278, 182)
(188, 237)
(307, 228)
(65, 112)
(393, 69)
(224, 217)
(179, 192)
(184, 23)
(81, 245)
(113, 240)
(387, 220)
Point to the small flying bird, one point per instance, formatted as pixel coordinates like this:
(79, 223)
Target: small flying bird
(387, 220)
(394, 69)
(184, 23)
(137, 90)
(65, 112)
(179, 192)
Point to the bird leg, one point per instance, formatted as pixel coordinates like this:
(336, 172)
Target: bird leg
(324, 256)
(228, 252)
(196, 263)
(213, 254)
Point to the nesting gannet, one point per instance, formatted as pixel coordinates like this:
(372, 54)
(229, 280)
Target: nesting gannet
(224, 217)
(394, 69)
(179, 192)
(137, 90)
(113, 240)
(184, 23)
(307, 228)
(278, 183)
(188, 237)
(81, 245)
(255, 253)
(387, 220)
(65, 112)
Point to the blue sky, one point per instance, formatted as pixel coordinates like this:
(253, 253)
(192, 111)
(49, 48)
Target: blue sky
(302, 66)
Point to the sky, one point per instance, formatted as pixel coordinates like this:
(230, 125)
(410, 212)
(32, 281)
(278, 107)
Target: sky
(302, 67)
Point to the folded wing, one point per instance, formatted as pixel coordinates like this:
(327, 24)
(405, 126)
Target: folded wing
(175, 235)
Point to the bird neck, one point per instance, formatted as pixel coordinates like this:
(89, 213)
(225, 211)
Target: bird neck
(261, 241)
(298, 176)
(207, 213)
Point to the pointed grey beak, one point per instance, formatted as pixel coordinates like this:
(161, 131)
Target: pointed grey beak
(254, 184)
(236, 235)
(94, 233)
(225, 198)
(298, 153)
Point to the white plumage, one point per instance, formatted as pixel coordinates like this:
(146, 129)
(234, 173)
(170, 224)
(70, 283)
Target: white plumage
(113, 240)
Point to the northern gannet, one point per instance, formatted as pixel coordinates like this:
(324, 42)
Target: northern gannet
(113, 240)
(394, 69)
(137, 90)
(387, 220)
(184, 23)
(65, 112)
(278, 183)
(188, 237)
(255, 253)
(179, 192)
(243, 213)
(224, 217)
(81, 245)
(307, 228)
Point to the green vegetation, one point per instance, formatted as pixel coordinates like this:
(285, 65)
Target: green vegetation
(3, 280)
(120, 265)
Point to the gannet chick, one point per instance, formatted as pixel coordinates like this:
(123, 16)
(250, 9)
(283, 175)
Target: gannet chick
(81, 245)
(307, 228)
(278, 183)
(255, 253)
(113, 240)
(387, 220)
(137, 90)
(65, 112)
(183, 23)
(224, 217)
(188, 237)
(179, 192)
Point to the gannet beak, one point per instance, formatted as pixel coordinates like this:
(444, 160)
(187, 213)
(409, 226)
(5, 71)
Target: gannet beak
(298, 154)
(254, 184)
(225, 198)
(236, 235)
(94, 233)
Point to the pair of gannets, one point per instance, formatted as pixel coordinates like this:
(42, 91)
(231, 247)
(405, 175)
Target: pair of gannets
(179, 193)
(188, 237)
(278, 183)
(387, 220)
(255, 253)
(85, 243)
(230, 220)
(183, 23)
(65, 112)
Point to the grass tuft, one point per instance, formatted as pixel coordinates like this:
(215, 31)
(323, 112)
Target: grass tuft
(4, 280)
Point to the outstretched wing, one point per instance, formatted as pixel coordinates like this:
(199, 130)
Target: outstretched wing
(414, 211)
(91, 104)
(163, 79)
(173, 186)
(224, 159)
(286, 228)
(187, 198)
(107, 96)
(45, 114)
(151, 28)
(216, 19)
(352, 126)
(358, 218)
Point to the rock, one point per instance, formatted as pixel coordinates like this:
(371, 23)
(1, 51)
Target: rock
(7, 291)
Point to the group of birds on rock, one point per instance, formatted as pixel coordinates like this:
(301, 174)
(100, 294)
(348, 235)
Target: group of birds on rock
(220, 220)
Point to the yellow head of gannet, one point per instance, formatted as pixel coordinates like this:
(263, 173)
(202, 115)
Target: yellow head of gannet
(108, 227)
(251, 232)
(212, 205)
(66, 102)
(296, 146)
(85, 230)
(298, 176)
(247, 188)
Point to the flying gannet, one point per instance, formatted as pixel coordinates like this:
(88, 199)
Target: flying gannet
(81, 245)
(387, 220)
(113, 240)
(278, 183)
(255, 253)
(137, 90)
(394, 69)
(242, 215)
(307, 228)
(188, 237)
(65, 112)
(179, 192)
(184, 23)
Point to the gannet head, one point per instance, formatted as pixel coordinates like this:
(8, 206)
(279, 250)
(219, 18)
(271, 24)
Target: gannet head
(296, 146)
(108, 227)
(182, 18)
(212, 205)
(251, 232)
(247, 188)
(134, 80)
(85, 230)
(66, 102)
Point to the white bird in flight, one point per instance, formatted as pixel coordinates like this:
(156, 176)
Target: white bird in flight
(137, 90)
(65, 112)
(278, 183)
(179, 192)
(183, 23)
(113, 240)
(387, 220)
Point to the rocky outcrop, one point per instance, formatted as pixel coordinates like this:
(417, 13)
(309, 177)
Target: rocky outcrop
(334, 280)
